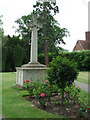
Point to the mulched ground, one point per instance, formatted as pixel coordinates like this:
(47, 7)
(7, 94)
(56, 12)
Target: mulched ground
(69, 110)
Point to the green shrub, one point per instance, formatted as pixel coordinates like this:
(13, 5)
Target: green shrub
(18, 55)
(9, 66)
(4, 57)
(86, 61)
(62, 72)
(81, 58)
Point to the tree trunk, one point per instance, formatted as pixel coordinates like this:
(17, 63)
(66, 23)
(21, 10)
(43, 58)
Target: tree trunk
(46, 54)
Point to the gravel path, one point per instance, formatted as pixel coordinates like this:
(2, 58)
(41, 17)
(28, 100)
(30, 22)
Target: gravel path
(83, 86)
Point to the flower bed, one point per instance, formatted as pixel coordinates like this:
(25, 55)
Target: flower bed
(69, 110)
(48, 97)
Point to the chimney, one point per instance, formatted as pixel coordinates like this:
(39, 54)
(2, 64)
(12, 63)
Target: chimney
(88, 36)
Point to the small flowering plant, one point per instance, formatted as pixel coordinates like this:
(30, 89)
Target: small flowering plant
(43, 93)
(83, 110)
(40, 90)
(88, 109)
(29, 85)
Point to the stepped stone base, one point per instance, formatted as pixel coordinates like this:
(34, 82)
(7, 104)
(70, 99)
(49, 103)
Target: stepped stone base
(36, 71)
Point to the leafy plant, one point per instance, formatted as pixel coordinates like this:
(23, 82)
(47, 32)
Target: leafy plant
(73, 92)
(30, 85)
(43, 93)
(62, 72)
(41, 90)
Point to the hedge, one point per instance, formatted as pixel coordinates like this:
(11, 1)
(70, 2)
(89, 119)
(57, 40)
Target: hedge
(14, 57)
(82, 58)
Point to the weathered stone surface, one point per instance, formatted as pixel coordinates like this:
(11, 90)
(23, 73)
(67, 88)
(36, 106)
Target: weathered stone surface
(34, 65)
(36, 71)
(26, 72)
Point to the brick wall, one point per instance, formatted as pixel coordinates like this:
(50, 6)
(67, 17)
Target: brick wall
(88, 36)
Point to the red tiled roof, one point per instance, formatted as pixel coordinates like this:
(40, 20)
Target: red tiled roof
(85, 44)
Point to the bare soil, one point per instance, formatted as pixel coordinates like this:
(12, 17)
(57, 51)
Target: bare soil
(54, 106)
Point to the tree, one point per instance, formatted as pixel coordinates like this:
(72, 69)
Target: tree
(51, 34)
(1, 36)
(15, 52)
(1, 29)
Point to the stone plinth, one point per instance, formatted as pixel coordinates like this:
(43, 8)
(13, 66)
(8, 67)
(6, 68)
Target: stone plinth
(36, 71)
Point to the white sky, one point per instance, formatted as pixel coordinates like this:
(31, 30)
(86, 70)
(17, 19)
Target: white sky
(73, 15)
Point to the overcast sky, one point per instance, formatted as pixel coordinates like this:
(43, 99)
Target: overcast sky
(73, 15)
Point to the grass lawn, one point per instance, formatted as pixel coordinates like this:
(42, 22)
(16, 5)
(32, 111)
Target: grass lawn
(85, 98)
(14, 105)
(83, 77)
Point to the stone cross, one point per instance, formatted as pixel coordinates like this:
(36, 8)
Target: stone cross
(89, 16)
(34, 25)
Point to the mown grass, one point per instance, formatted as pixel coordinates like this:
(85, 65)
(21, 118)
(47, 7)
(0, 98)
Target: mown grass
(83, 77)
(85, 98)
(14, 105)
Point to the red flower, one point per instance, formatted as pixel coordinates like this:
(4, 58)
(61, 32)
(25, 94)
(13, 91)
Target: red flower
(27, 80)
(88, 108)
(46, 81)
(78, 104)
(42, 94)
(31, 78)
(24, 81)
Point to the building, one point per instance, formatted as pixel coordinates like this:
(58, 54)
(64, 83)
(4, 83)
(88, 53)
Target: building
(83, 44)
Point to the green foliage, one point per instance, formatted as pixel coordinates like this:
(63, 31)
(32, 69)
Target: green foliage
(41, 58)
(74, 92)
(82, 58)
(62, 72)
(1, 28)
(30, 85)
(50, 55)
(18, 55)
(37, 88)
(43, 93)
(14, 52)
(4, 57)
(51, 32)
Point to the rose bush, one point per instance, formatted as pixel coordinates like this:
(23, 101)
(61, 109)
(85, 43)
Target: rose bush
(41, 90)
(30, 85)
(43, 93)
